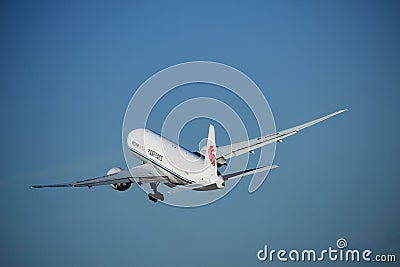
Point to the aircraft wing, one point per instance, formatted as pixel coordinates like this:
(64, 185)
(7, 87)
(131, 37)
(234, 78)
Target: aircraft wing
(144, 173)
(233, 150)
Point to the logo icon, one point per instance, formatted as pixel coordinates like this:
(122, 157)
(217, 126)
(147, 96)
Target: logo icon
(211, 155)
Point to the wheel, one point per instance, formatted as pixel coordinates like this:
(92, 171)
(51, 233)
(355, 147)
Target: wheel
(152, 198)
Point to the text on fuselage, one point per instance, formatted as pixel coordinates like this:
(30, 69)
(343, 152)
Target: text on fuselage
(154, 154)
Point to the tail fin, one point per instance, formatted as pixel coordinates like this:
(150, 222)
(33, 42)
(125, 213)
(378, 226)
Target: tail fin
(210, 158)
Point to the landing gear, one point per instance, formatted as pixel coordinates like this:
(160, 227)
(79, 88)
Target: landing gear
(152, 198)
(156, 195)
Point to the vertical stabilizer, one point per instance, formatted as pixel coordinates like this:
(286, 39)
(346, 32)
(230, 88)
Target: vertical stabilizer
(210, 158)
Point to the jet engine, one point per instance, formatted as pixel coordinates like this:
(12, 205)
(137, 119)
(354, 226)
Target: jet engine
(120, 186)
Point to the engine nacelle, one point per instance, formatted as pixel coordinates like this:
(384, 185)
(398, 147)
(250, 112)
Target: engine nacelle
(114, 170)
(120, 186)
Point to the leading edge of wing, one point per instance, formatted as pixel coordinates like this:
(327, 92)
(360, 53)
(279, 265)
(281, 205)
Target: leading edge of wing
(52, 185)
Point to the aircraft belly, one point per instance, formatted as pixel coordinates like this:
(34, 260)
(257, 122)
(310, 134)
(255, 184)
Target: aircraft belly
(173, 179)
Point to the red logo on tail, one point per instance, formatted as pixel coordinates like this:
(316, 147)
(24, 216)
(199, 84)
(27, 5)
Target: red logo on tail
(211, 155)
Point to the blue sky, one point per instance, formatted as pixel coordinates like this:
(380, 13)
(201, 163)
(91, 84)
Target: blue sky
(68, 70)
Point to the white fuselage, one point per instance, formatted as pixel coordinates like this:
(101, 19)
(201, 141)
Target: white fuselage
(179, 165)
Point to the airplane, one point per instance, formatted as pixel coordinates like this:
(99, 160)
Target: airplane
(198, 170)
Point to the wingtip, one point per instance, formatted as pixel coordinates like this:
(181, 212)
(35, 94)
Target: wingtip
(338, 112)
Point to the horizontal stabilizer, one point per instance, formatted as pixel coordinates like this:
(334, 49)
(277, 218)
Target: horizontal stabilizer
(240, 174)
(235, 175)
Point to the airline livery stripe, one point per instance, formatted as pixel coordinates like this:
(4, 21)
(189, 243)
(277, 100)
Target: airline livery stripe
(161, 166)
